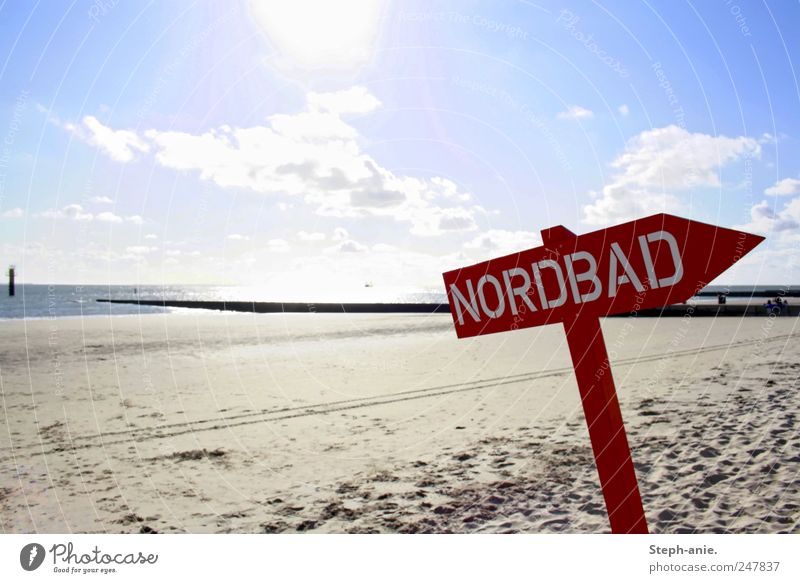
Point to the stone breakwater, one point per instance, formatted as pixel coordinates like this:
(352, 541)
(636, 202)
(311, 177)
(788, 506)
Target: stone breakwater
(677, 310)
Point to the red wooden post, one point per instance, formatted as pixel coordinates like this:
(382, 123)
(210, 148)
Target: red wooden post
(606, 430)
(648, 263)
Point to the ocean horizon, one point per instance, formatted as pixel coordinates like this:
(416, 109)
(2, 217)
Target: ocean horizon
(35, 300)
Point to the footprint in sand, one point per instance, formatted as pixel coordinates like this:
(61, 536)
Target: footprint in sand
(715, 479)
(667, 517)
(558, 524)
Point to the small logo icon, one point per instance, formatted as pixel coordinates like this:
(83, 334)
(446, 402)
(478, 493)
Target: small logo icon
(31, 556)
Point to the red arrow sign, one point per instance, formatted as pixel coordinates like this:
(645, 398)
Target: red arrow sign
(648, 263)
(575, 280)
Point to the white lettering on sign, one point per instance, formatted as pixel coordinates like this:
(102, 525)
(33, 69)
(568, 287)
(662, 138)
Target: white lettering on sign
(517, 284)
(629, 275)
(459, 301)
(537, 275)
(519, 291)
(589, 275)
(501, 305)
(676, 257)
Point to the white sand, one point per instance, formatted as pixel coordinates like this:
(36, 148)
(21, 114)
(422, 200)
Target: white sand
(220, 422)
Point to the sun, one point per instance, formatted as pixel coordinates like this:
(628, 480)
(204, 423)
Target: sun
(315, 34)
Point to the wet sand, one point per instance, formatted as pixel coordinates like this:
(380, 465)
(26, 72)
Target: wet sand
(224, 422)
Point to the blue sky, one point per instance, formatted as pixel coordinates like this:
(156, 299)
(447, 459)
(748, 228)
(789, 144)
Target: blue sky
(311, 148)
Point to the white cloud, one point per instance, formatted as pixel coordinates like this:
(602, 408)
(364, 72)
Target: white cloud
(107, 217)
(310, 237)
(101, 200)
(575, 112)
(278, 245)
(785, 187)
(15, 213)
(659, 161)
(120, 145)
(442, 220)
(777, 259)
(340, 234)
(767, 138)
(500, 242)
(354, 100)
(238, 237)
(623, 110)
(72, 212)
(75, 212)
(140, 249)
(314, 155)
(675, 158)
(307, 127)
(448, 189)
(766, 220)
(347, 246)
(48, 114)
(151, 236)
(618, 203)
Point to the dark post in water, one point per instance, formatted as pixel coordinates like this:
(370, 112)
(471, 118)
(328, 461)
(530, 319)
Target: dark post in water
(11, 281)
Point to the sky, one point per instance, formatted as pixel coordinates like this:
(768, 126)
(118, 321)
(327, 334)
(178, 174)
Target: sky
(311, 147)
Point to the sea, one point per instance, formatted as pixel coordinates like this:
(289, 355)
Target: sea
(69, 301)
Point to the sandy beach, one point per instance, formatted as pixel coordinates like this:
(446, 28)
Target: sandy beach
(217, 422)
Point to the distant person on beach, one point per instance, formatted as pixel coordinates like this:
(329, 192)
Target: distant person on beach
(779, 306)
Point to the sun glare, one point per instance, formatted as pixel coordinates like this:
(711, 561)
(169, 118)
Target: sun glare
(313, 34)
